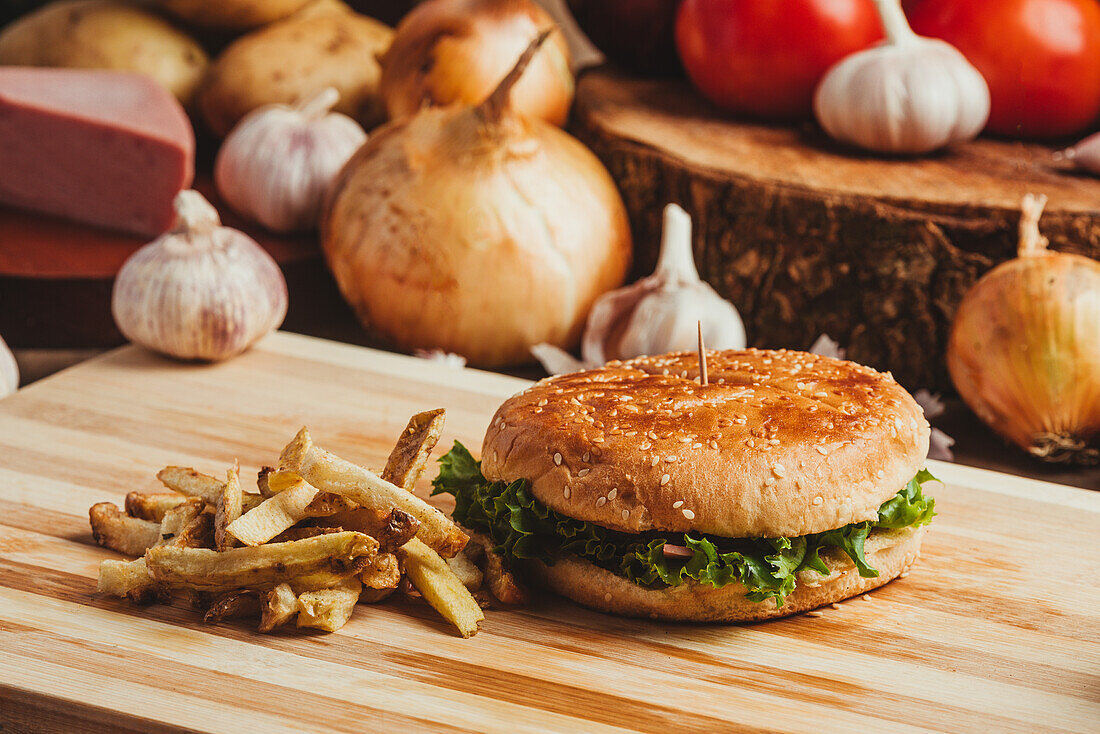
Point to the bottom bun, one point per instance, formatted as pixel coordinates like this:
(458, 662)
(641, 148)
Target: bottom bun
(889, 551)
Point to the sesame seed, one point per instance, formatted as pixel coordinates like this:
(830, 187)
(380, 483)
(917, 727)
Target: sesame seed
(567, 492)
(613, 493)
(818, 500)
(769, 482)
(685, 439)
(866, 597)
(903, 575)
(652, 435)
(779, 471)
(835, 605)
(671, 458)
(557, 459)
(601, 502)
(697, 446)
(688, 514)
(646, 446)
(774, 441)
(664, 479)
(626, 514)
(586, 457)
(821, 394)
(583, 472)
(543, 402)
(750, 443)
(502, 425)
(822, 451)
(598, 439)
(678, 504)
(815, 614)
(655, 461)
(713, 444)
(538, 410)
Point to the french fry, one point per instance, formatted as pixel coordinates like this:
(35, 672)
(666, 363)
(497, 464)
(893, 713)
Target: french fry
(409, 457)
(333, 474)
(228, 506)
(466, 571)
(275, 514)
(502, 583)
(151, 505)
(233, 604)
(329, 609)
(392, 530)
(383, 572)
(432, 577)
(191, 483)
(334, 555)
(132, 579)
(277, 606)
(113, 529)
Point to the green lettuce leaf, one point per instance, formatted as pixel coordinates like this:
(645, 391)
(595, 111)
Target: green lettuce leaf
(522, 528)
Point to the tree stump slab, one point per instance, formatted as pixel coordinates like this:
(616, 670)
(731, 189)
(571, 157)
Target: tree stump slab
(806, 237)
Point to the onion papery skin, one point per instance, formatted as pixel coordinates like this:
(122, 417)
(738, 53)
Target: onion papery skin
(1024, 354)
(457, 51)
(481, 238)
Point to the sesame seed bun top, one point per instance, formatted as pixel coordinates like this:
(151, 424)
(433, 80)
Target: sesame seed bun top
(780, 443)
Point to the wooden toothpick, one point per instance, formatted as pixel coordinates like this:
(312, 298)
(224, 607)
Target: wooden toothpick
(702, 357)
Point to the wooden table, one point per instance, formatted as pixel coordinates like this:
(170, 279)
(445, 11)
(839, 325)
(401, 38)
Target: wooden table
(996, 629)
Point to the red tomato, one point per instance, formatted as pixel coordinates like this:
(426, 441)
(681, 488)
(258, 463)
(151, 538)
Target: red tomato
(765, 57)
(1041, 58)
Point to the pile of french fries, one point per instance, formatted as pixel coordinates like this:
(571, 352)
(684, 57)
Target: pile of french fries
(320, 535)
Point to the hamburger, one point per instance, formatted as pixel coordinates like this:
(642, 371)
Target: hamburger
(787, 482)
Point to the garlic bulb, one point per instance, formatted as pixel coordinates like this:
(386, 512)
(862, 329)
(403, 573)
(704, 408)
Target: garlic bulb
(909, 94)
(1024, 349)
(660, 313)
(9, 371)
(200, 291)
(277, 163)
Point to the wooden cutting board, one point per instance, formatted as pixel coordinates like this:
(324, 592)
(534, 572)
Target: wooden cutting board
(996, 629)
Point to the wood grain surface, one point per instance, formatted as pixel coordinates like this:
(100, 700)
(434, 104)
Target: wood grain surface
(997, 628)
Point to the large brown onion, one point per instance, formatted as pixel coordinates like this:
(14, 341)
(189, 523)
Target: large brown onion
(1024, 350)
(448, 51)
(476, 231)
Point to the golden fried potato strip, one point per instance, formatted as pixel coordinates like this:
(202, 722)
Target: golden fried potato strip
(191, 483)
(329, 609)
(432, 577)
(333, 474)
(409, 457)
(334, 556)
(116, 530)
(275, 514)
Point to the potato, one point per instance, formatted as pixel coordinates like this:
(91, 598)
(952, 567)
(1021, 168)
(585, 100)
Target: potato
(296, 57)
(103, 34)
(231, 15)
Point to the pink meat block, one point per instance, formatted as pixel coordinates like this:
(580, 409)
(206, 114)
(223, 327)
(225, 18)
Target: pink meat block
(106, 148)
